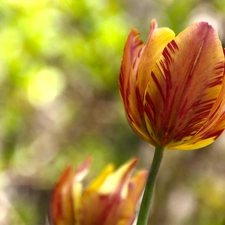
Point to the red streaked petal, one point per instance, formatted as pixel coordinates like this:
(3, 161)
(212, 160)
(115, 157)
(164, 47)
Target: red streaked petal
(206, 138)
(138, 60)
(106, 199)
(215, 123)
(66, 195)
(61, 209)
(184, 85)
(126, 210)
(207, 134)
(127, 82)
(132, 49)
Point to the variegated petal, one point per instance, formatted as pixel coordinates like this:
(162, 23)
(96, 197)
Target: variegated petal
(137, 63)
(99, 206)
(184, 86)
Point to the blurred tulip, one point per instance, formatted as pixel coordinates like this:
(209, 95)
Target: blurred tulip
(173, 87)
(111, 199)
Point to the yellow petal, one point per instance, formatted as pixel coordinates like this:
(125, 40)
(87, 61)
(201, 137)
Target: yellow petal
(158, 39)
(184, 85)
(118, 179)
(97, 182)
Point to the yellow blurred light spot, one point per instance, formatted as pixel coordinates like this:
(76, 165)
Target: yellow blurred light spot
(45, 86)
(28, 3)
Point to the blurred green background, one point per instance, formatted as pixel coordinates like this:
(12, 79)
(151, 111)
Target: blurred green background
(59, 103)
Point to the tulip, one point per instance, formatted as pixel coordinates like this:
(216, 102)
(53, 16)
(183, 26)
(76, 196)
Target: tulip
(173, 87)
(110, 199)
(173, 91)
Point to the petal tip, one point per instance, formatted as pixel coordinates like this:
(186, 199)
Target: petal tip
(153, 24)
(133, 162)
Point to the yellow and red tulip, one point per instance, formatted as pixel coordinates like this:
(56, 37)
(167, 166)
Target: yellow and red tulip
(173, 87)
(110, 199)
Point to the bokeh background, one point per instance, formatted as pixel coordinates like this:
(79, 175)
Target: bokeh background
(59, 103)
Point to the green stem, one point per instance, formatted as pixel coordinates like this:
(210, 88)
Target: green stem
(149, 188)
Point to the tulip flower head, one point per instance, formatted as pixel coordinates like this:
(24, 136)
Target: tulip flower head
(173, 87)
(110, 199)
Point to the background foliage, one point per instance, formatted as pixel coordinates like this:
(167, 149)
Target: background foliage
(59, 103)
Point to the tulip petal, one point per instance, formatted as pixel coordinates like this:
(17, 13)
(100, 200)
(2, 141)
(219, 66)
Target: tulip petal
(97, 183)
(214, 126)
(66, 195)
(180, 97)
(157, 40)
(131, 58)
(106, 198)
(138, 60)
(58, 214)
(124, 212)
(126, 209)
(110, 199)
(207, 135)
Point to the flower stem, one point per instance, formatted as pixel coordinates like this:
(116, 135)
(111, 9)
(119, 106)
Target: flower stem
(149, 188)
